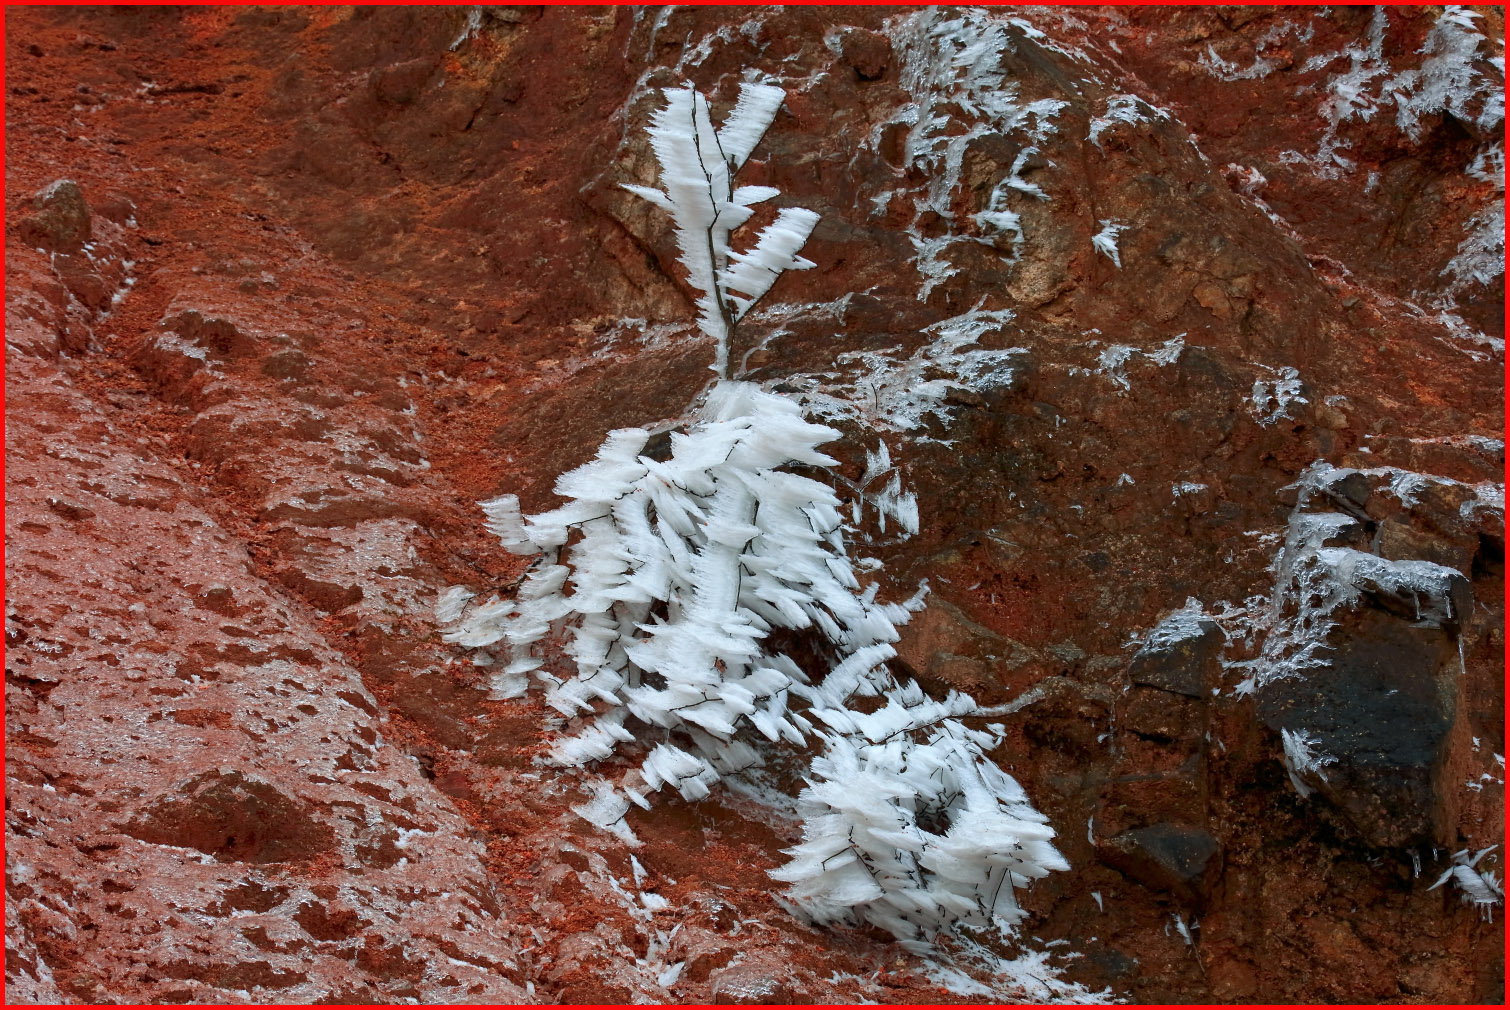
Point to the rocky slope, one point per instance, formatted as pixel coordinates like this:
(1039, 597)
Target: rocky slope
(289, 289)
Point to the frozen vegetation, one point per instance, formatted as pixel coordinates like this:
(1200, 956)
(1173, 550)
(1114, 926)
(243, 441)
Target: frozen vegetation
(693, 589)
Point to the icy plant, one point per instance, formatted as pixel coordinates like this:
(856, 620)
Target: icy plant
(707, 605)
(698, 164)
(679, 571)
(910, 827)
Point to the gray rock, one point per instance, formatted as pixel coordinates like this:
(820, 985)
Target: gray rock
(1180, 655)
(1381, 715)
(1166, 857)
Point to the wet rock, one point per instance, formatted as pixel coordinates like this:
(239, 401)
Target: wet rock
(70, 509)
(324, 595)
(218, 335)
(754, 985)
(944, 644)
(702, 951)
(1153, 713)
(867, 51)
(288, 364)
(1383, 715)
(173, 364)
(400, 83)
(1152, 782)
(1068, 721)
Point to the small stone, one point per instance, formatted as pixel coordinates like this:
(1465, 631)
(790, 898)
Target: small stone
(1151, 712)
(1179, 656)
(69, 510)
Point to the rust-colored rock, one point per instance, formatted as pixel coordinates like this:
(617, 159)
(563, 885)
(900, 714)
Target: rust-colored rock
(290, 289)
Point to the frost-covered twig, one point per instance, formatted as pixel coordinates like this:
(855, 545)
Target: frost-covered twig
(697, 167)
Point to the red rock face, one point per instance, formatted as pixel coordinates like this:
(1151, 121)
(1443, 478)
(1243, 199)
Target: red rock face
(289, 289)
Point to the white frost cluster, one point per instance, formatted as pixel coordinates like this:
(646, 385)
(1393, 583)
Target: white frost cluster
(679, 571)
(1113, 361)
(1303, 759)
(888, 498)
(910, 827)
(1275, 397)
(901, 395)
(1315, 578)
(697, 164)
(1122, 110)
(1105, 241)
(1480, 256)
(1451, 78)
(1477, 887)
(1458, 75)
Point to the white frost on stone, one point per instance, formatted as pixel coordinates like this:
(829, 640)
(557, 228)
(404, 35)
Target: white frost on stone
(1105, 241)
(1275, 396)
(1476, 887)
(1112, 362)
(901, 395)
(1302, 758)
(1316, 575)
(1122, 110)
(951, 67)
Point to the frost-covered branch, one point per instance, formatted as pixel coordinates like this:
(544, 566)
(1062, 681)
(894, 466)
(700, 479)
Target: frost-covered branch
(697, 167)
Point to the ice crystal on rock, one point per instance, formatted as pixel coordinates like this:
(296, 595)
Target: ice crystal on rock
(951, 65)
(1303, 759)
(882, 391)
(1477, 887)
(1317, 574)
(1274, 397)
(1122, 110)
